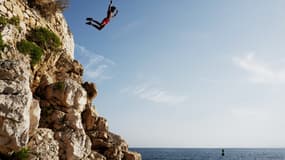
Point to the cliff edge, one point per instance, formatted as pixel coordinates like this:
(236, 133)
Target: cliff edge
(46, 109)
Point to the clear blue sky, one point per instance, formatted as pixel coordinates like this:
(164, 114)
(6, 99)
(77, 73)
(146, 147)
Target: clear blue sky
(187, 73)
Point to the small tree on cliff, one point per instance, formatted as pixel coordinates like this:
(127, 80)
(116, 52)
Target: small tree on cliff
(48, 8)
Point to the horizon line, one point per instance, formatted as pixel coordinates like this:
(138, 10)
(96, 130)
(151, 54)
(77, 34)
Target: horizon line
(216, 147)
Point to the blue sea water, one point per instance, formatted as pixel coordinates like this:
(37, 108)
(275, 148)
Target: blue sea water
(210, 154)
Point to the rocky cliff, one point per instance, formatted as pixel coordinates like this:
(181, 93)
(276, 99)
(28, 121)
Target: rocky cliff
(46, 109)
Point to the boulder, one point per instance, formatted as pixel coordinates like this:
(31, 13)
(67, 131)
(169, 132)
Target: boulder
(42, 145)
(74, 143)
(68, 94)
(115, 152)
(118, 141)
(95, 156)
(91, 90)
(89, 118)
(52, 118)
(100, 144)
(66, 67)
(102, 124)
(128, 155)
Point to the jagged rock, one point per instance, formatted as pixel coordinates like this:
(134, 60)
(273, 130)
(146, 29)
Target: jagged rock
(73, 120)
(40, 88)
(56, 118)
(132, 156)
(102, 124)
(43, 1)
(89, 118)
(46, 80)
(11, 34)
(100, 144)
(114, 153)
(118, 147)
(52, 118)
(66, 67)
(35, 112)
(118, 141)
(110, 145)
(68, 94)
(91, 90)
(42, 145)
(74, 143)
(2, 8)
(15, 102)
(95, 156)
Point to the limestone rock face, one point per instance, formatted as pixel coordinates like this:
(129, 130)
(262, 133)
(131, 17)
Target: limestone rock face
(47, 107)
(30, 18)
(68, 94)
(95, 156)
(75, 144)
(35, 113)
(15, 101)
(42, 145)
(67, 68)
(11, 34)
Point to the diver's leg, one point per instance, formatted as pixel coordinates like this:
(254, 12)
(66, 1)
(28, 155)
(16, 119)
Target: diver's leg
(96, 22)
(99, 27)
(89, 19)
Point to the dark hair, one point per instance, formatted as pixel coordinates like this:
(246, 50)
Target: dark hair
(113, 8)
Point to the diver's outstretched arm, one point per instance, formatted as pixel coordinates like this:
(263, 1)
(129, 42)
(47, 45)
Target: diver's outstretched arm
(110, 5)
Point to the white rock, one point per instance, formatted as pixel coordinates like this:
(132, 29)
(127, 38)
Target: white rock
(68, 93)
(2, 8)
(35, 113)
(15, 105)
(42, 145)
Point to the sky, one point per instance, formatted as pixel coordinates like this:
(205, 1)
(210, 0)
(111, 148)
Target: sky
(187, 73)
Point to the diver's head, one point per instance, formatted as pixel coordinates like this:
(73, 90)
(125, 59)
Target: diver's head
(113, 8)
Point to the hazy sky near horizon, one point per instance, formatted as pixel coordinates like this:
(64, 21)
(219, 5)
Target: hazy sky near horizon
(187, 73)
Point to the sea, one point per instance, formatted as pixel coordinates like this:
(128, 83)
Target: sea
(210, 154)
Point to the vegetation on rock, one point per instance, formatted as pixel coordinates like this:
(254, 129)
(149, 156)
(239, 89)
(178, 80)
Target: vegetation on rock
(44, 38)
(59, 86)
(23, 154)
(38, 40)
(14, 21)
(3, 21)
(1, 43)
(50, 8)
(30, 48)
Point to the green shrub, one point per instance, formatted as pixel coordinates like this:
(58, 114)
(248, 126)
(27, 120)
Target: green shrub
(1, 43)
(30, 48)
(59, 86)
(3, 21)
(49, 9)
(23, 154)
(14, 21)
(44, 38)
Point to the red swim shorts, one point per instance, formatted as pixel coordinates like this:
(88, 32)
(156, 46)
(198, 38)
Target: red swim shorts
(105, 21)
